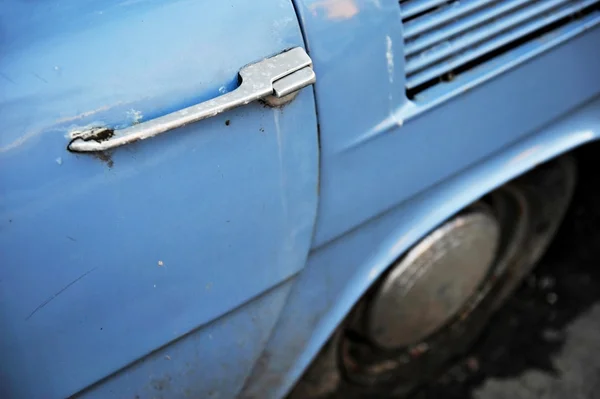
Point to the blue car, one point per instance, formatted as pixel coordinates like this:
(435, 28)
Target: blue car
(263, 199)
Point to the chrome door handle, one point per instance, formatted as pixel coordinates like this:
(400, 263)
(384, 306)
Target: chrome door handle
(272, 78)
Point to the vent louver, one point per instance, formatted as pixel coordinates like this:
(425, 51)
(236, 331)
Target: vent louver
(442, 37)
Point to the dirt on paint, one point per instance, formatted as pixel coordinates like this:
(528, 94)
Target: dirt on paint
(105, 157)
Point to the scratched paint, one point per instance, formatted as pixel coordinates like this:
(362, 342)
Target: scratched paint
(55, 295)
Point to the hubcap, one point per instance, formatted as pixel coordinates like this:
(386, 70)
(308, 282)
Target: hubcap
(428, 286)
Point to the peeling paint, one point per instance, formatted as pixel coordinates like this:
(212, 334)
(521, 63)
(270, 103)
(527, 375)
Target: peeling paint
(135, 116)
(389, 56)
(336, 9)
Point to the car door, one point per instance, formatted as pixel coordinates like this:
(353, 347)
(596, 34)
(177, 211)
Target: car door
(107, 255)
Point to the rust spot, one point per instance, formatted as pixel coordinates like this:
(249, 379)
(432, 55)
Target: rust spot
(277, 102)
(105, 157)
(103, 135)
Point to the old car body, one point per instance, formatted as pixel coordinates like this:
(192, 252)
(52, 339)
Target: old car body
(216, 259)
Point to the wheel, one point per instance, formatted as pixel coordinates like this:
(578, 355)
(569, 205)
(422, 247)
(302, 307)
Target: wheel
(433, 302)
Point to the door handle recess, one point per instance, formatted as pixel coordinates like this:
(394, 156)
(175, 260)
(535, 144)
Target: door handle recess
(272, 78)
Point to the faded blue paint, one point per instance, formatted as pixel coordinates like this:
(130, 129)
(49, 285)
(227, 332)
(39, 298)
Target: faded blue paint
(400, 168)
(104, 261)
(211, 362)
(372, 162)
(339, 273)
(229, 210)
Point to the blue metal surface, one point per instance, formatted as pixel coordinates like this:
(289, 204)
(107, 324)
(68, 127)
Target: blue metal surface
(396, 148)
(106, 259)
(167, 252)
(337, 274)
(393, 172)
(441, 93)
(462, 49)
(447, 15)
(211, 362)
(414, 7)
